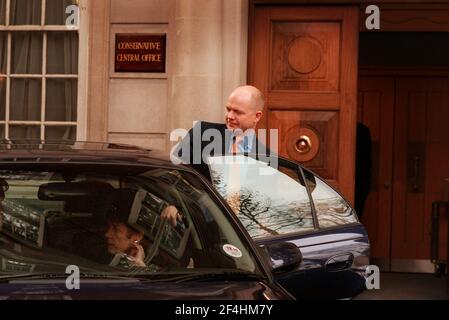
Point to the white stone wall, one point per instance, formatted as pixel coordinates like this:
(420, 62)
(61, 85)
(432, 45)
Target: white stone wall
(206, 59)
(138, 101)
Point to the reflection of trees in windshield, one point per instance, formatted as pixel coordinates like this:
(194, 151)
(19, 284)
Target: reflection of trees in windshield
(269, 213)
(263, 215)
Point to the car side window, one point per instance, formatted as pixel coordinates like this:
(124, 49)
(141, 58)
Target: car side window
(268, 201)
(330, 207)
(81, 219)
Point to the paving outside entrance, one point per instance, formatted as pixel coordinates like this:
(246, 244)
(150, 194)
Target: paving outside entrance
(408, 286)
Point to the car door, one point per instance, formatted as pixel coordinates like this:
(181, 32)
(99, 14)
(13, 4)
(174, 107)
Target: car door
(278, 200)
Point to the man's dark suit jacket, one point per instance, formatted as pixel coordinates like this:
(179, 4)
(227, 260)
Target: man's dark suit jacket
(203, 131)
(363, 167)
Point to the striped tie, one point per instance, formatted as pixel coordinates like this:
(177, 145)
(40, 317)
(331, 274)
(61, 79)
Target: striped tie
(235, 145)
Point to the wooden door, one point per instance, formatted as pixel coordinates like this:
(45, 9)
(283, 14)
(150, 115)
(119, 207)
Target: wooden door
(421, 163)
(376, 111)
(304, 59)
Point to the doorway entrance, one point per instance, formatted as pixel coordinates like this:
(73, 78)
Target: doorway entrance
(408, 118)
(304, 59)
(403, 97)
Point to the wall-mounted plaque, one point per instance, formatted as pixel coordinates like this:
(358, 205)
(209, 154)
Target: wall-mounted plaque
(140, 52)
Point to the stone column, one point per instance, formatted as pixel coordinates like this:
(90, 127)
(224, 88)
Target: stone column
(235, 45)
(208, 58)
(197, 59)
(97, 101)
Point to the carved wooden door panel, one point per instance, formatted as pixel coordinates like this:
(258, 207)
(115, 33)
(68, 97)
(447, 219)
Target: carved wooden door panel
(408, 119)
(376, 111)
(304, 59)
(421, 163)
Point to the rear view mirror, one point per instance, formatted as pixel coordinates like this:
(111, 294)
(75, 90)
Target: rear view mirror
(67, 190)
(284, 256)
(81, 197)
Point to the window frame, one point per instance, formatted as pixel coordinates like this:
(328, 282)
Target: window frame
(312, 201)
(80, 76)
(116, 179)
(298, 170)
(317, 228)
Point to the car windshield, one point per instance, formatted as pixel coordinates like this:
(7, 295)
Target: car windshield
(151, 222)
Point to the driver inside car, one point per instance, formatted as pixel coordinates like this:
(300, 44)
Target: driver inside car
(125, 240)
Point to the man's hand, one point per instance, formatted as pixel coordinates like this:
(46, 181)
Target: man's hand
(171, 213)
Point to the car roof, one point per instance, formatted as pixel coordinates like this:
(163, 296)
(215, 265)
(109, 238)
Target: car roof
(80, 151)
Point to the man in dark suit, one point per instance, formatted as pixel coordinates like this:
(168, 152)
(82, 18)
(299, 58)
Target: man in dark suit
(237, 135)
(362, 167)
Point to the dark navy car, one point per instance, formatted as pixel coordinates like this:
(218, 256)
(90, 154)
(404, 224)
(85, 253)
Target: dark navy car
(280, 201)
(61, 203)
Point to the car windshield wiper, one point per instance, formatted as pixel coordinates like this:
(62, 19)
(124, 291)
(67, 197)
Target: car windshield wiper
(47, 276)
(235, 275)
(212, 276)
(9, 277)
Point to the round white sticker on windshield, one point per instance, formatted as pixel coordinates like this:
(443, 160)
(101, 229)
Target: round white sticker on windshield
(232, 251)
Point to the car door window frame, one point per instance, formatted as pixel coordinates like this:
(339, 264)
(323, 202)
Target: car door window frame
(319, 227)
(300, 176)
(301, 172)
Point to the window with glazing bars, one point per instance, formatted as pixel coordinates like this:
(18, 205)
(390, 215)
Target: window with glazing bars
(38, 70)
